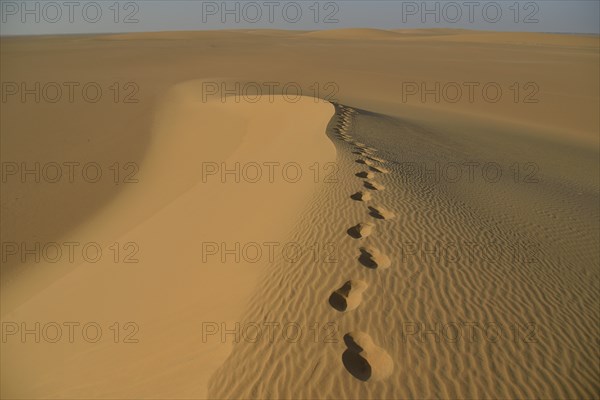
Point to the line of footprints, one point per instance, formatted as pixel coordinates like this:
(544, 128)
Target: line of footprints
(363, 358)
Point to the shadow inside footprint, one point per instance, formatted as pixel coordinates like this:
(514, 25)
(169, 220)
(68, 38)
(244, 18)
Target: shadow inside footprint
(361, 196)
(364, 174)
(366, 259)
(356, 365)
(373, 212)
(337, 301)
(380, 170)
(372, 185)
(354, 232)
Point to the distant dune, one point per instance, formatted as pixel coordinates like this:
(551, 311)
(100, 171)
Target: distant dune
(358, 33)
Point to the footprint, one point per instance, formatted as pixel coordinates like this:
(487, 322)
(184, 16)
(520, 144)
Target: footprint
(379, 169)
(361, 196)
(361, 230)
(349, 296)
(365, 148)
(365, 174)
(364, 151)
(374, 185)
(364, 359)
(373, 258)
(373, 158)
(365, 162)
(381, 213)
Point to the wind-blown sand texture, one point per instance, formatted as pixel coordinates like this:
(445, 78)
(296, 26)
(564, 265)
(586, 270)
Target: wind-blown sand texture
(381, 219)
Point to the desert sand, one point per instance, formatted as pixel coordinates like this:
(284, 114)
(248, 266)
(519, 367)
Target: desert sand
(410, 283)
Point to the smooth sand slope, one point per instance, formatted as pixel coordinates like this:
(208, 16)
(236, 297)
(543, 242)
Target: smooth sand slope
(399, 261)
(171, 285)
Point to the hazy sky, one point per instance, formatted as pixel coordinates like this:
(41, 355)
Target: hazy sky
(66, 16)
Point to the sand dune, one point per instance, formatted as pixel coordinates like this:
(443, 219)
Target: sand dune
(414, 285)
(354, 34)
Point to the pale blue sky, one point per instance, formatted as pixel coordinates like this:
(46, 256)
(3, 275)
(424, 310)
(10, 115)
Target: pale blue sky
(101, 16)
